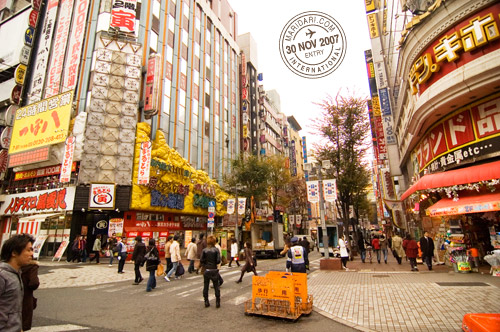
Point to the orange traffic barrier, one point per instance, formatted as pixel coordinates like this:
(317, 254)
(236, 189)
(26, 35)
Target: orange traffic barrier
(481, 323)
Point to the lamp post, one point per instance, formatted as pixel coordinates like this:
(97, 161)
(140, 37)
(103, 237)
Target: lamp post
(322, 212)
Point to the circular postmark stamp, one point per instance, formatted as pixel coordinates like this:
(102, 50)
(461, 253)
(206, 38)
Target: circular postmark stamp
(312, 44)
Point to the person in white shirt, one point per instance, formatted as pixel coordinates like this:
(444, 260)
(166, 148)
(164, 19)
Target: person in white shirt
(175, 253)
(234, 252)
(191, 251)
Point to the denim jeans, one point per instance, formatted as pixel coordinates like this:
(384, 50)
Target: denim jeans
(363, 256)
(384, 251)
(378, 254)
(174, 268)
(151, 281)
(191, 266)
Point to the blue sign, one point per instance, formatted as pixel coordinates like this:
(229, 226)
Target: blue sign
(211, 203)
(28, 36)
(384, 102)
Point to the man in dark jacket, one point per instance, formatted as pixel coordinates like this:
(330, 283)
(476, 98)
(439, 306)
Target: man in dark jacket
(210, 258)
(200, 245)
(427, 248)
(304, 243)
(16, 253)
(138, 258)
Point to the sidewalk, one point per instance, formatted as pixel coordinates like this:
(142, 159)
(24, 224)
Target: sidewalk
(388, 297)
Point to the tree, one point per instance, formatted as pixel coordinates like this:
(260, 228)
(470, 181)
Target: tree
(345, 127)
(278, 180)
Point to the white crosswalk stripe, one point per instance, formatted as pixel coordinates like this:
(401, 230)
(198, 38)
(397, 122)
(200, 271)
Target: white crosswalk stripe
(58, 328)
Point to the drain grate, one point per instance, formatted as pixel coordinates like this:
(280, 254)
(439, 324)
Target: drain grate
(464, 284)
(381, 276)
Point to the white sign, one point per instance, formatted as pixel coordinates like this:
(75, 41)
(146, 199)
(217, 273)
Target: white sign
(102, 196)
(60, 42)
(298, 219)
(42, 55)
(5, 137)
(330, 190)
(67, 163)
(291, 219)
(73, 54)
(42, 201)
(24, 57)
(62, 248)
(37, 246)
(144, 163)
(241, 205)
(115, 227)
(230, 205)
(313, 191)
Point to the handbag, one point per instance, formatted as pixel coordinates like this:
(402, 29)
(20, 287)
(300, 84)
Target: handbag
(223, 261)
(180, 270)
(161, 270)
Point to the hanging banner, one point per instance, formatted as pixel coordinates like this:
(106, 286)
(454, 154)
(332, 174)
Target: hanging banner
(66, 166)
(241, 205)
(37, 246)
(291, 219)
(230, 205)
(144, 163)
(298, 220)
(62, 248)
(313, 191)
(330, 190)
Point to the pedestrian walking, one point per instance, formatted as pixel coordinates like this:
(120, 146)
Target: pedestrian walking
(304, 243)
(369, 249)
(200, 245)
(175, 256)
(397, 248)
(168, 256)
(234, 252)
(383, 247)
(427, 248)
(122, 253)
(152, 260)
(29, 275)
(344, 254)
(138, 259)
(217, 245)
(412, 252)
(297, 259)
(96, 249)
(83, 245)
(76, 250)
(16, 253)
(191, 254)
(111, 248)
(376, 247)
(249, 262)
(361, 247)
(210, 258)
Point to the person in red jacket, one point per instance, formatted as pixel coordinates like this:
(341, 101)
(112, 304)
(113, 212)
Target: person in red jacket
(376, 247)
(412, 252)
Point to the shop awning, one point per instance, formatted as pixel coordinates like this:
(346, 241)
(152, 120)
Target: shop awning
(466, 204)
(38, 217)
(465, 175)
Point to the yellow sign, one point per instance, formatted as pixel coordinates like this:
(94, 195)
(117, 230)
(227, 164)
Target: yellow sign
(376, 106)
(43, 123)
(20, 74)
(245, 131)
(370, 5)
(372, 25)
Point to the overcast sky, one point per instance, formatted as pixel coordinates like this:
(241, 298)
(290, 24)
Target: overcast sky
(265, 20)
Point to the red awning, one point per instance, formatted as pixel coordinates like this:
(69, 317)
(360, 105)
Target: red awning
(465, 175)
(466, 204)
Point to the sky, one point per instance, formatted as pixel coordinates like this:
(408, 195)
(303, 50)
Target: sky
(265, 20)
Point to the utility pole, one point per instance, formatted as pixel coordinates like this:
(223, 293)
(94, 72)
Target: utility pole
(322, 212)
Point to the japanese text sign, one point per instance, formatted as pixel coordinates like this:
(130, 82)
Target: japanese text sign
(230, 205)
(42, 201)
(144, 163)
(313, 191)
(102, 196)
(43, 123)
(67, 162)
(330, 190)
(123, 15)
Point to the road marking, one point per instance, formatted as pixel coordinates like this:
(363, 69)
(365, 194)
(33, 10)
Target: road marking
(239, 299)
(58, 328)
(99, 287)
(117, 289)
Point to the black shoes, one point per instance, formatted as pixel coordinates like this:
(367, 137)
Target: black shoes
(217, 303)
(238, 281)
(207, 304)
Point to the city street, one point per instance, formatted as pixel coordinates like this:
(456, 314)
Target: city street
(109, 302)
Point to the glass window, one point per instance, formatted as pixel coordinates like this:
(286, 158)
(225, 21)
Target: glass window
(207, 60)
(185, 9)
(183, 66)
(181, 115)
(170, 54)
(171, 23)
(196, 76)
(184, 37)
(167, 84)
(197, 24)
(153, 41)
(196, 48)
(182, 97)
(156, 8)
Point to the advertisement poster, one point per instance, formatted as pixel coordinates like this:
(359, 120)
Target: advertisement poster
(115, 227)
(37, 246)
(61, 249)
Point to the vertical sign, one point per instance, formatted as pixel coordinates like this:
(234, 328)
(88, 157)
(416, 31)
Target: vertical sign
(60, 41)
(241, 205)
(74, 51)
(313, 191)
(42, 55)
(152, 86)
(230, 205)
(330, 190)
(123, 15)
(144, 163)
(67, 162)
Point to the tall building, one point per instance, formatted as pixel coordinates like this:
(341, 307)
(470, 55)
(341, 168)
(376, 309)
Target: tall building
(150, 91)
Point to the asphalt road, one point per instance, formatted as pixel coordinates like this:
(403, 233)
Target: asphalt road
(172, 306)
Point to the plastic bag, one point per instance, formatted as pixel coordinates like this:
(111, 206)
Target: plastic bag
(161, 270)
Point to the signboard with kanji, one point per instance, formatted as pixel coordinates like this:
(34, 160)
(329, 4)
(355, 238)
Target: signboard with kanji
(123, 15)
(102, 196)
(43, 123)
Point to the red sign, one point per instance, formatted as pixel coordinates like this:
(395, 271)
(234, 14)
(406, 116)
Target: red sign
(163, 234)
(33, 18)
(146, 234)
(144, 163)
(15, 96)
(39, 172)
(53, 200)
(486, 118)
(36, 4)
(123, 15)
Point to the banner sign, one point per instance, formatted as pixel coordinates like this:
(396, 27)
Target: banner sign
(298, 220)
(230, 205)
(102, 196)
(39, 172)
(153, 78)
(330, 190)
(62, 248)
(37, 246)
(115, 227)
(241, 205)
(67, 162)
(313, 191)
(43, 123)
(123, 15)
(144, 163)
(36, 202)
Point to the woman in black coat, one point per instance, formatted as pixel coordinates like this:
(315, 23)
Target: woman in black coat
(249, 262)
(138, 258)
(152, 260)
(30, 283)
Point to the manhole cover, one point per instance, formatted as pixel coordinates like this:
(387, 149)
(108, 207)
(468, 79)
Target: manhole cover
(381, 276)
(464, 284)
